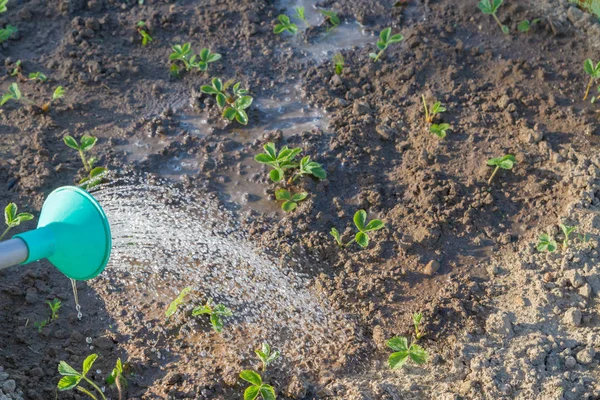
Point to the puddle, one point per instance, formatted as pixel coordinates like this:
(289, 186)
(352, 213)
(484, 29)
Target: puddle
(138, 149)
(347, 35)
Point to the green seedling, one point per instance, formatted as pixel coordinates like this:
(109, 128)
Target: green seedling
(546, 243)
(172, 309)
(524, 26)
(361, 237)
(285, 25)
(490, 7)
(54, 307)
(237, 110)
(439, 129)
(257, 388)
(290, 201)
(7, 32)
(117, 379)
(216, 312)
(308, 167)
(332, 20)
(219, 90)
(71, 378)
(593, 72)
(59, 92)
(12, 219)
(86, 144)
(280, 162)
(567, 230)
(143, 30)
(436, 109)
(505, 162)
(385, 39)
(301, 16)
(14, 93)
(338, 61)
(37, 76)
(417, 317)
(183, 54)
(403, 352)
(18, 69)
(3, 5)
(94, 178)
(266, 355)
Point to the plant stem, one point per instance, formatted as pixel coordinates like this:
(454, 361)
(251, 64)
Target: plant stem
(587, 91)
(95, 387)
(85, 391)
(493, 174)
(83, 159)
(498, 21)
(378, 55)
(4, 233)
(118, 385)
(426, 110)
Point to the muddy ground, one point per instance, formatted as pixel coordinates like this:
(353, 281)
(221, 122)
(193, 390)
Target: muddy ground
(502, 320)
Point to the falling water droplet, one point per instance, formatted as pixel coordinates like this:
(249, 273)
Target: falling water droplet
(88, 340)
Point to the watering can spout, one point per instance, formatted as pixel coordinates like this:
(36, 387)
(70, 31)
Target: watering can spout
(73, 234)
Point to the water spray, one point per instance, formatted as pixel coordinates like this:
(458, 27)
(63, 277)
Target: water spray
(73, 233)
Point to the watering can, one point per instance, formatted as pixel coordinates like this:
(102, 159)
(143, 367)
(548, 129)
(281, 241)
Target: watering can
(72, 233)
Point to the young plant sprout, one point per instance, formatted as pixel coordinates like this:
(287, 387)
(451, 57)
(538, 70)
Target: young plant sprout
(308, 167)
(94, 178)
(219, 90)
(301, 16)
(593, 72)
(12, 219)
(172, 309)
(54, 307)
(338, 61)
(59, 92)
(524, 26)
(216, 312)
(280, 162)
(117, 379)
(417, 317)
(3, 5)
(143, 30)
(257, 388)
(439, 129)
(505, 162)
(546, 243)
(38, 76)
(183, 54)
(7, 32)
(490, 7)
(385, 39)
(436, 108)
(331, 19)
(403, 352)
(237, 110)
(290, 200)
(285, 25)
(71, 378)
(567, 230)
(362, 237)
(266, 356)
(86, 144)
(14, 93)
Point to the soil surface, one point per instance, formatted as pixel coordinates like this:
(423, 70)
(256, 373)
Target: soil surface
(502, 319)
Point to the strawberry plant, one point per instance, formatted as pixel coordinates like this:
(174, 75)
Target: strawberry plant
(14, 93)
(7, 32)
(361, 237)
(71, 378)
(237, 110)
(54, 307)
(3, 5)
(439, 129)
(285, 25)
(524, 26)
(308, 167)
(172, 309)
(143, 30)
(117, 379)
(331, 19)
(266, 356)
(94, 178)
(216, 313)
(59, 92)
(12, 219)
(546, 243)
(592, 71)
(290, 201)
(220, 91)
(490, 7)
(257, 387)
(183, 54)
(436, 109)
(279, 161)
(385, 39)
(86, 144)
(567, 230)
(504, 162)
(38, 76)
(338, 61)
(403, 351)
(300, 15)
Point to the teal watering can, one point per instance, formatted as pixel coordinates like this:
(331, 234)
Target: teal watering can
(72, 233)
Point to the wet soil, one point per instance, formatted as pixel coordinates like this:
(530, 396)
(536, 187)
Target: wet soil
(518, 94)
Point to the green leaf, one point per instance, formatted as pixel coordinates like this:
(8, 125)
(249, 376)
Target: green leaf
(288, 206)
(217, 84)
(276, 174)
(229, 113)
(213, 57)
(178, 301)
(87, 142)
(588, 66)
(206, 309)
(6, 97)
(318, 172)
(398, 359)
(485, 7)
(10, 213)
(524, 26)
(362, 239)
(263, 158)
(221, 100)
(208, 89)
(23, 217)
(336, 235)
(267, 392)
(374, 225)
(217, 322)
(243, 102)
(88, 362)
(66, 370)
(7, 32)
(68, 382)
(58, 93)
(72, 143)
(385, 35)
(417, 354)
(398, 343)
(252, 377)
(15, 91)
(271, 150)
(204, 53)
(251, 392)
(277, 29)
(283, 194)
(284, 19)
(299, 196)
(360, 218)
(202, 65)
(221, 310)
(505, 29)
(396, 38)
(241, 117)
